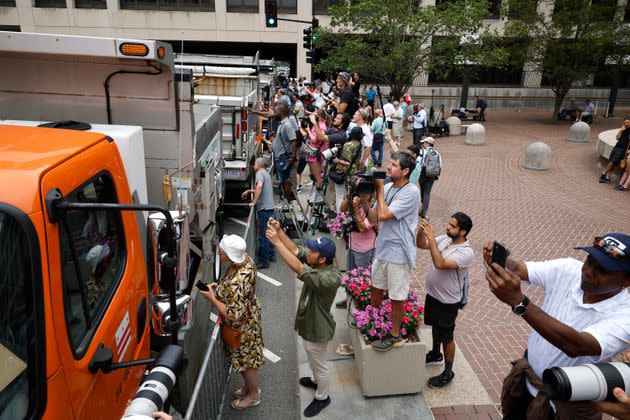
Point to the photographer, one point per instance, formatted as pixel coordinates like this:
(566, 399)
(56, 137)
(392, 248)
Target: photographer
(346, 164)
(585, 318)
(360, 119)
(313, 150)
(313, 320)
(397, 215)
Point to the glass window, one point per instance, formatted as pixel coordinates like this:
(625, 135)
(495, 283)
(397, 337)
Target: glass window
(51, 3)
(185, 5)
(242, 6)
(320, 7)
(17, 320)
(90, 4)
(287, 6)
(92, 258)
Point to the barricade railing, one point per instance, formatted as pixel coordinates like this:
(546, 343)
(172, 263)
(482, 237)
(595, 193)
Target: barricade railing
(207, 354)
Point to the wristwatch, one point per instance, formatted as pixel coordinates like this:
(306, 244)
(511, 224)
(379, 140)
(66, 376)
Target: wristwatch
(521, 308)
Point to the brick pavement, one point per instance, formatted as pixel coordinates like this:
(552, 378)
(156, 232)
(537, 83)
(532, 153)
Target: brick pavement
(538, 215)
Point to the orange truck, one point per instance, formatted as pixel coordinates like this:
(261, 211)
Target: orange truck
(93, 280)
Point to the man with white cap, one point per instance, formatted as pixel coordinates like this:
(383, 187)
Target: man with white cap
(429, 173)
(313, 265)
(584, 318)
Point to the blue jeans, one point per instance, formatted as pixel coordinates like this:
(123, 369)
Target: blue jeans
(265, 250)
(280, 163)
(417, 135)
(377, 147)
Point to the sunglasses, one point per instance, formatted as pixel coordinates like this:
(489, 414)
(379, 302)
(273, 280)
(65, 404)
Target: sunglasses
(611, 247)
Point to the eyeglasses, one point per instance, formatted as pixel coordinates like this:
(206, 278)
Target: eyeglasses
(611, 246)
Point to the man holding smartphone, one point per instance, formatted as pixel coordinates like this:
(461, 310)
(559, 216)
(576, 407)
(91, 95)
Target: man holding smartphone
(452, 256)
(584, 318)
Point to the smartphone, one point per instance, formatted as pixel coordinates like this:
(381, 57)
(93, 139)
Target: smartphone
(499, 254)
(202, 286)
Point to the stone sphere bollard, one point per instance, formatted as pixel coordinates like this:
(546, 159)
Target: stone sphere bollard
(579, 132)
(537, 157)
(454, 126)
(475, 135)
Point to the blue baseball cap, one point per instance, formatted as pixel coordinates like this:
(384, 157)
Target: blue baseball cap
(323, 245)
(611, 251)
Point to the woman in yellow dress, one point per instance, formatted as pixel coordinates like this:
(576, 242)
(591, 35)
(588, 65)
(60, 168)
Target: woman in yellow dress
(235, 298)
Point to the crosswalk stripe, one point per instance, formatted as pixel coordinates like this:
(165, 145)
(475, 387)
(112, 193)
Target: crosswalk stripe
(274, 358)
(268, 279)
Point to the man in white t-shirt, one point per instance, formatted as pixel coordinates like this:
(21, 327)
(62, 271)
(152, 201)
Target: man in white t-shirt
(452, 256)
(360, 119)
(584, 318)
(389, 111)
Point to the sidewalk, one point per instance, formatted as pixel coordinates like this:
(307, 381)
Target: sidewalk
(537, 215)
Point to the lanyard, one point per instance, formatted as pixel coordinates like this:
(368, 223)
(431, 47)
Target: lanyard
(393, 196)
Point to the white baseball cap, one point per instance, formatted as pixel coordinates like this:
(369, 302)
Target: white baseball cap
(234, 246)
(96, 255)
(429, 140)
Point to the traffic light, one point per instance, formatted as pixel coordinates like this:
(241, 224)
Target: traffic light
(315, 23)
(312, 58)
(308, 38)
(271, 13)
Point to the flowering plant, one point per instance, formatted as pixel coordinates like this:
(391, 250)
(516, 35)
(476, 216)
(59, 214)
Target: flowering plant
(375, 323)
(340, 224)
(357, 284)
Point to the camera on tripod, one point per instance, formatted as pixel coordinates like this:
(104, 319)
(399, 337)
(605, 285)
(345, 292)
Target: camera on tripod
(365, 182)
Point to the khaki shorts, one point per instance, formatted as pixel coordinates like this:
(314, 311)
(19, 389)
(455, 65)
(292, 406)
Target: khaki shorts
(395, 278)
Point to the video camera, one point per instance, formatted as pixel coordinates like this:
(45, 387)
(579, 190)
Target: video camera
(365, 182)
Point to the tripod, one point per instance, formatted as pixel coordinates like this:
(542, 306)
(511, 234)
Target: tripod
(288, 215)
(315, 210)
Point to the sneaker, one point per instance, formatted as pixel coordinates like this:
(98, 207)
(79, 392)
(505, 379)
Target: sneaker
(316, 406)
(273, 259)
(299, 188)
(618, 187)
(388, 342)
(342, 304)
(262, 265)
(441, 380)
(604, 179)
(433, 359)
(307, 382)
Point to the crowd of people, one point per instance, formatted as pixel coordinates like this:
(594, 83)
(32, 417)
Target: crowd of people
(333, 128)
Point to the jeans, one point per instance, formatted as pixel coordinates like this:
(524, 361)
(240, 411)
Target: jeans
(265, 250)
(377, 147)
(280, 163)
(425, 193)
(417, 135)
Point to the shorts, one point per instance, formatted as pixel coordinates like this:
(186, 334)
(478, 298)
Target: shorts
(390, 124)
(301, 165)
(279, 164)
(441, 316)
(395, 278)
(359, 259)
(617, 155)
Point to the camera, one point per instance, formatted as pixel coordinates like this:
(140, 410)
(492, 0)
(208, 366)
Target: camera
(305, 123)
(331, 153)
(590, 382)
(157, 385)
(365, 183)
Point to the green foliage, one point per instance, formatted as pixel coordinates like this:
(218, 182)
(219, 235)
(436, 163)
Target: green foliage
(391, 41)
(567, 40)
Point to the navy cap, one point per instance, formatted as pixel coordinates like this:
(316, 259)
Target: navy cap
(323, 245)
(618, 242)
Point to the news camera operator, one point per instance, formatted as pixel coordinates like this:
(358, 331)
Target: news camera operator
(584, 318)
(396, 213)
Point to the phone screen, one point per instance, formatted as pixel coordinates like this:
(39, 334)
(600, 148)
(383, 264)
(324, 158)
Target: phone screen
(499, 254)
(201, 286)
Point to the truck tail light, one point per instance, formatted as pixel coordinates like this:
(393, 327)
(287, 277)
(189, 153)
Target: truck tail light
(238, 131)
(244, 120)
(134, 48)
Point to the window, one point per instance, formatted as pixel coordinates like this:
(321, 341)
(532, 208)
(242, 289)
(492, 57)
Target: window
(184, 5)
(287, 6)
(90, 4)
(22, 370)
(92, 257)
(7, 3)
(522, 8)
(494, 9)
(243, 6)
(51, 3)
(320, 7)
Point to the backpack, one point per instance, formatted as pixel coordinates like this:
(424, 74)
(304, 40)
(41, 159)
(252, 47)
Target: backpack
(432, 164)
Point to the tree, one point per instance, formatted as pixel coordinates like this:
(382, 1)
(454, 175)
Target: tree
(567, 41)
(391, 41)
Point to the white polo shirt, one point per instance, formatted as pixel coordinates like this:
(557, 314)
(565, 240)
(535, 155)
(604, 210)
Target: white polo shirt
(608, 321)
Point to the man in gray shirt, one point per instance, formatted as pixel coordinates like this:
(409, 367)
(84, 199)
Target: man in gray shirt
(452, 256)
(395, 255)
(265, 207)
(285, 150)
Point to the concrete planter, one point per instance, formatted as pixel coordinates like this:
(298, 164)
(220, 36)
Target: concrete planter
(397, 371)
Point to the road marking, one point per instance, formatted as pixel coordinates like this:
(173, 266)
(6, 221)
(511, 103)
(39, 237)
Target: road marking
(269, 279)
(274, 358)
(240, 222)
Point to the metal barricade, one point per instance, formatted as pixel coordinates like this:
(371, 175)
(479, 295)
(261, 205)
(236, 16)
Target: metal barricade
(207, 354)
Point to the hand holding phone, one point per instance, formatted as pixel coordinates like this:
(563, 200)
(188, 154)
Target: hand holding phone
(202, 286)
(499, 254)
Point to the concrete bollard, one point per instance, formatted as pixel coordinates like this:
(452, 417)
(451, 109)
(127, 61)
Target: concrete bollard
(454, 126)
(475, 135)
(579, 132)
(537, 157)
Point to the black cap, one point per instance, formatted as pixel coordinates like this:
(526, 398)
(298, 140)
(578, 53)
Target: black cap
(356, 133)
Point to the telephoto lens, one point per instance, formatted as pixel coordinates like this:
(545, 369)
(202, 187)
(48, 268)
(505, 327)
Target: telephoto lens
(157, 385)
(330, 153)
(590, 382)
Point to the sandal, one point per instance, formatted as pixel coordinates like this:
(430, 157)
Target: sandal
(242, 393)
(243, 403)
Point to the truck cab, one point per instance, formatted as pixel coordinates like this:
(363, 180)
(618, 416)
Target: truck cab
(70, 283)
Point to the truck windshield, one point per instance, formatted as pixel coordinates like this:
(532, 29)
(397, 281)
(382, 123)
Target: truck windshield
(16, 319)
